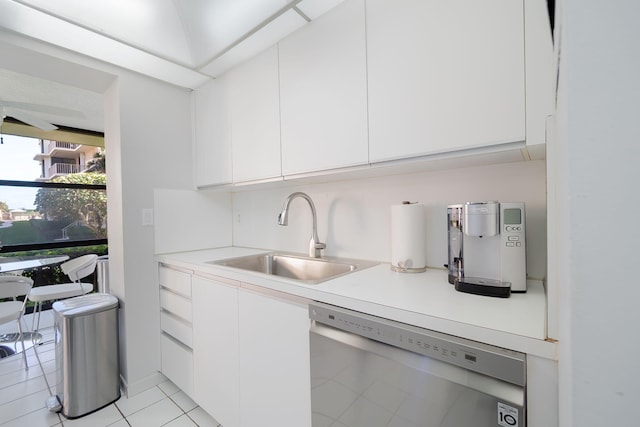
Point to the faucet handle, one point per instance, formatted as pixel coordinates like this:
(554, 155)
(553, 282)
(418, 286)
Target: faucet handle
(315, 248)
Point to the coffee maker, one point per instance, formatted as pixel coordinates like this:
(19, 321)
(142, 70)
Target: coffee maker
(487, 248)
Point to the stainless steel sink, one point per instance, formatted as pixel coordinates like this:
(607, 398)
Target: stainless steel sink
(305, 269)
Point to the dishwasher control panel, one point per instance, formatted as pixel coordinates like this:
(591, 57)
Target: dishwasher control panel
(496, 362)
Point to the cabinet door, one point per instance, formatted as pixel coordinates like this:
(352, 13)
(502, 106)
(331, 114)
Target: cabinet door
(444, 76)
(323, 92)
(540, 72)
(275, 387)
(177, 363)
(212, 151)
(215, 349)
(255, 118)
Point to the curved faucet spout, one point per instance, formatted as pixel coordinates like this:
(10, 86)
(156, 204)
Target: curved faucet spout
(315, 246)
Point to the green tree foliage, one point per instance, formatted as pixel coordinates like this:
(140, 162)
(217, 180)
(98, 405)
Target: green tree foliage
(98, 163)
(4, 207)
(70, 205)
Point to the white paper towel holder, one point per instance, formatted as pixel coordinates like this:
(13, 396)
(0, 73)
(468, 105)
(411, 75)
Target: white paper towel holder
(405, 266)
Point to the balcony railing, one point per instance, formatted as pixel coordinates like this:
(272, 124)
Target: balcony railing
(53, 145)
(64, 169)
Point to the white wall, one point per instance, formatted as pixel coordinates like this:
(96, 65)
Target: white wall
(155, 152)
(597, 175)
(354, 215)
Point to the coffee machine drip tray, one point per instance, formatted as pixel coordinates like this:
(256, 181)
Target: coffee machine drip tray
(486, 287)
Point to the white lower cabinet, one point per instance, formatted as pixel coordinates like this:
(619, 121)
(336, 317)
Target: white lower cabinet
(177, 363)
(215, 349)
(275, 385)
(176, 354)
(239, 351)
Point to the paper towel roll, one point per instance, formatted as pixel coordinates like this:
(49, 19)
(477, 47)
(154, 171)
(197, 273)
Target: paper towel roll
(408, 238)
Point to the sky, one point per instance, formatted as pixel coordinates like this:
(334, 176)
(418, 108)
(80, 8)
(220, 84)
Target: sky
(16, 163)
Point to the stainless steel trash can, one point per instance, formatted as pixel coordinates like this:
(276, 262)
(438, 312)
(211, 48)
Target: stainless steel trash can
(86, 346)
(102, 274)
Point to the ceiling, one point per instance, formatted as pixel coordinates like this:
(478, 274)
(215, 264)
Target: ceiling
(74, 107)
(182, 42)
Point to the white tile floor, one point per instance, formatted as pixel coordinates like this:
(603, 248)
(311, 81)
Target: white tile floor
(23, 394)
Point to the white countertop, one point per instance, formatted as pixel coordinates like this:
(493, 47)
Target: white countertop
(421, 299)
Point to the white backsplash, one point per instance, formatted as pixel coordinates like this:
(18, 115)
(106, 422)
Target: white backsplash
(354, 215)
(186, 220)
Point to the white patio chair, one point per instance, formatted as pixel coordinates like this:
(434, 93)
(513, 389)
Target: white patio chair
(76, 269)
(14, 287)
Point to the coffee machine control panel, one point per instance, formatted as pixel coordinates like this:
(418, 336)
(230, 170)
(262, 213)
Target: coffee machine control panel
(512, 226)
(513, 245)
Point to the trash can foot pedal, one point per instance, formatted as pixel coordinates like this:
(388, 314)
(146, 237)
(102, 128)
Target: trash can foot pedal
(53, 404)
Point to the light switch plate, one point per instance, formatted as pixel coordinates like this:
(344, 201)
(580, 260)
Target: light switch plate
(147, 217)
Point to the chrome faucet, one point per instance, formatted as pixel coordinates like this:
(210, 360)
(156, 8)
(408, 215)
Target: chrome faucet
(315, 246)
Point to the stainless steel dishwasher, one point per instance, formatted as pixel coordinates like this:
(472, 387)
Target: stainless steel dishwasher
(368, 371)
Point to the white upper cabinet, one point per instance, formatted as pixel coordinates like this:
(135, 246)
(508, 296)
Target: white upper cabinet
(212, 149)
(324, 93)
(540, 75)
(255, 118)
(444, 76)
(379, 80)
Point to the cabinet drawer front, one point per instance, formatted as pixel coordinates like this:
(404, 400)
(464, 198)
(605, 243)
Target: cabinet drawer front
(175, 304)
(177, 363)
(177, 281)
(177, 328)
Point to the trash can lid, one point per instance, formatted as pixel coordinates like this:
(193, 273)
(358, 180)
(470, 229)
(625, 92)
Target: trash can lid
(85, 304)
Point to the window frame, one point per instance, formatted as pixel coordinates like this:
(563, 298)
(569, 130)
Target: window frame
(52, 245)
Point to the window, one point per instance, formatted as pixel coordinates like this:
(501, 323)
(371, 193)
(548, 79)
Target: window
(52, 196)
(42, 210)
